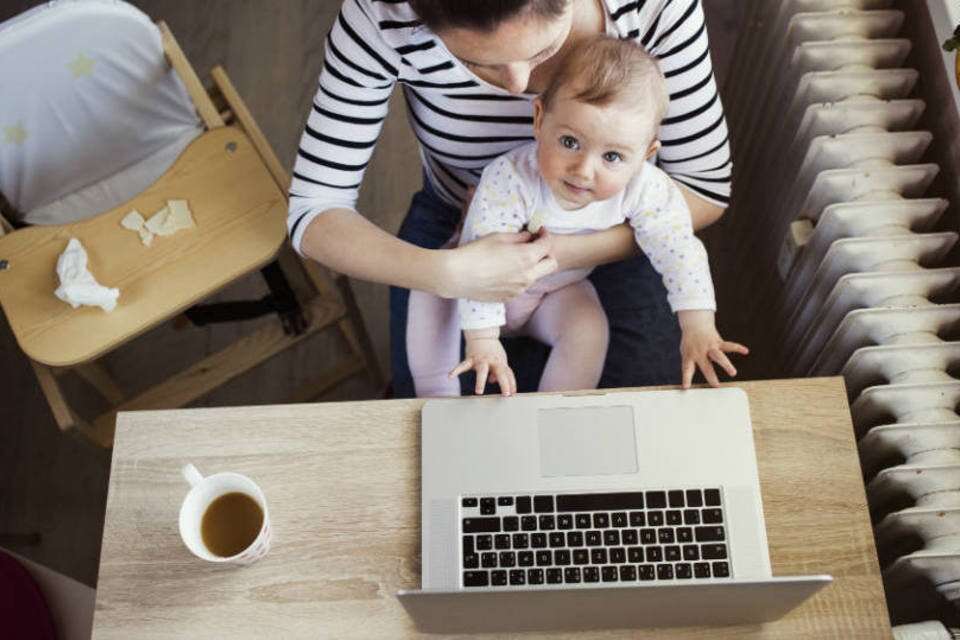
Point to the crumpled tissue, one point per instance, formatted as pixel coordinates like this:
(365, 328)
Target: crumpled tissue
(77, 284)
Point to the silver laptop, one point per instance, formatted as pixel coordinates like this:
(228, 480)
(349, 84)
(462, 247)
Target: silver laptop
(609, 510)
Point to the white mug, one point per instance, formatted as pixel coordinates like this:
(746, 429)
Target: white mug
(203, 491)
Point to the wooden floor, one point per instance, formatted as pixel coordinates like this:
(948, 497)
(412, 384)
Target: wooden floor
(56, 485)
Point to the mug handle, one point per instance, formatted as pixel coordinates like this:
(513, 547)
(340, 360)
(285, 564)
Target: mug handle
(191, 475)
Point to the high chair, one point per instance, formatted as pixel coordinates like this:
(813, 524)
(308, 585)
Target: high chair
(104, 115)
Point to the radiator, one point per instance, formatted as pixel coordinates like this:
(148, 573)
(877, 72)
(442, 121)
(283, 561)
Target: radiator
(846, 256)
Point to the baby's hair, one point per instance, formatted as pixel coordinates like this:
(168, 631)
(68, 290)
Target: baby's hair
(604, 69)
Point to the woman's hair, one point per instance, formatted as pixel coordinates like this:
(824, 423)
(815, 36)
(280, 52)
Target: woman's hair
(482, 15)
(604, 69)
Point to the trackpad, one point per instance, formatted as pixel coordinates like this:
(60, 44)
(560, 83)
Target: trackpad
(586, 441)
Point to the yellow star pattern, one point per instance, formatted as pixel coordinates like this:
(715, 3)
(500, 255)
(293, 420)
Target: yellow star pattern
(81, 66)
(15, 134)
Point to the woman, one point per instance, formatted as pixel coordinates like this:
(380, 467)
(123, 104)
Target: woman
(470, 69)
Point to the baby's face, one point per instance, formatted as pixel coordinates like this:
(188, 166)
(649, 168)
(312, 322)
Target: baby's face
(589, 153)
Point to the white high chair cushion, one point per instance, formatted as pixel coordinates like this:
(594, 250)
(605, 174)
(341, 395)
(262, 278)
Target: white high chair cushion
(91, 115)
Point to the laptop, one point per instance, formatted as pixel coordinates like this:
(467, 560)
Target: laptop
(607, 510)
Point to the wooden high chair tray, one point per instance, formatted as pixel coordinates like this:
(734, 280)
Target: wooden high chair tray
(240, 225)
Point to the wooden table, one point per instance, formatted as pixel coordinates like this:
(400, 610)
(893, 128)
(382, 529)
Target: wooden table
(342, 482)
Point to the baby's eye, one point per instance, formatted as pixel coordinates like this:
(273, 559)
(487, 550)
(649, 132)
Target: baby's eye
(569, 142)
(612, 156)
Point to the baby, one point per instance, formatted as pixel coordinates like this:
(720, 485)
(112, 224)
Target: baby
(595, 127)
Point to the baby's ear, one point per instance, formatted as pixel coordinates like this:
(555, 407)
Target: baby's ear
(537, 115)
(654, 147)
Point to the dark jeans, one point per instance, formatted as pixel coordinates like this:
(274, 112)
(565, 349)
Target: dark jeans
(644, 335)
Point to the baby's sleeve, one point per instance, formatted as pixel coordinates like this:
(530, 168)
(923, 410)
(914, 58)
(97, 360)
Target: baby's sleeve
(500, 205)
(661, 222)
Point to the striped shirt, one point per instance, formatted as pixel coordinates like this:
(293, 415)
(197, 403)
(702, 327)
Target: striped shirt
(462, 122)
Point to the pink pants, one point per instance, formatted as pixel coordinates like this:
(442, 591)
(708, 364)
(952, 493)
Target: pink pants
(563, 314)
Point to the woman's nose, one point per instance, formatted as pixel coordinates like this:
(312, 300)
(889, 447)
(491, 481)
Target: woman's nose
(516, 77)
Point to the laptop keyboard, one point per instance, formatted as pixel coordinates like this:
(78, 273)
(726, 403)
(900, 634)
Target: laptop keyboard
(582, 538)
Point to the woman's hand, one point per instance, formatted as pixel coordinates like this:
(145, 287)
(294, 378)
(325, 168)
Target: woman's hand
(495, 268)
(701, 347)
(485, 354)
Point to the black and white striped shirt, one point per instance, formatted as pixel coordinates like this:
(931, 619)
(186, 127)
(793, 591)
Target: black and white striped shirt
(463, 122)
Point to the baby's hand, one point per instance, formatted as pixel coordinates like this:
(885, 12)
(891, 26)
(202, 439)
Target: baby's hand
(487, 357)
(702, 346)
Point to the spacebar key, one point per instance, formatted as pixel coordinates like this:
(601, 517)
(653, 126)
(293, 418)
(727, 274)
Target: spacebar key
(481, 525)
(600, 501)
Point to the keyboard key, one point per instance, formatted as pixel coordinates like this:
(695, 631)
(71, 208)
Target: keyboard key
(511, 523)
(611, 537)
(656, 499)
(488, 560)
(694, 498)
(504, 501)
(618, 555)
(554, 576)
(525, 559)
(691, 552)
(654, 554)
(471, 561)
(619, 519)
(684, 534)
(591, 574)
(476, 579)
(557, 539)
(711, 497)
(467, 544)
(674, 517)
(538, 540)
(675, 498)
(713, 551)
(664, 535)
(655, 518)
(561, 557)
(601, 520)
(498, 578)
(528, 523)
(484, 542)
(518, 577)
(534, 576)
(523, 504)
(629, 536)
(708, 534)
(521, 541)
(543, 504)
(571, 575)
(501, 541)
(544, 558)
(583, 521)
(701, 570)
(646, 572)
(481, 525)
(635, 554)
(683, 571)
(468, 503)
(598, 556)
(565, 521)
(638, 519)
(547, 523)
(721, 570)
(581, 556)
(508, 559)
(575, 539)
(600, 501)
(664, 572)
(671, 553)
(691, 516)
(712, 516)
(488, 506)
(593, 538)
(648, 536)
(608, 574)
(628, 573)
